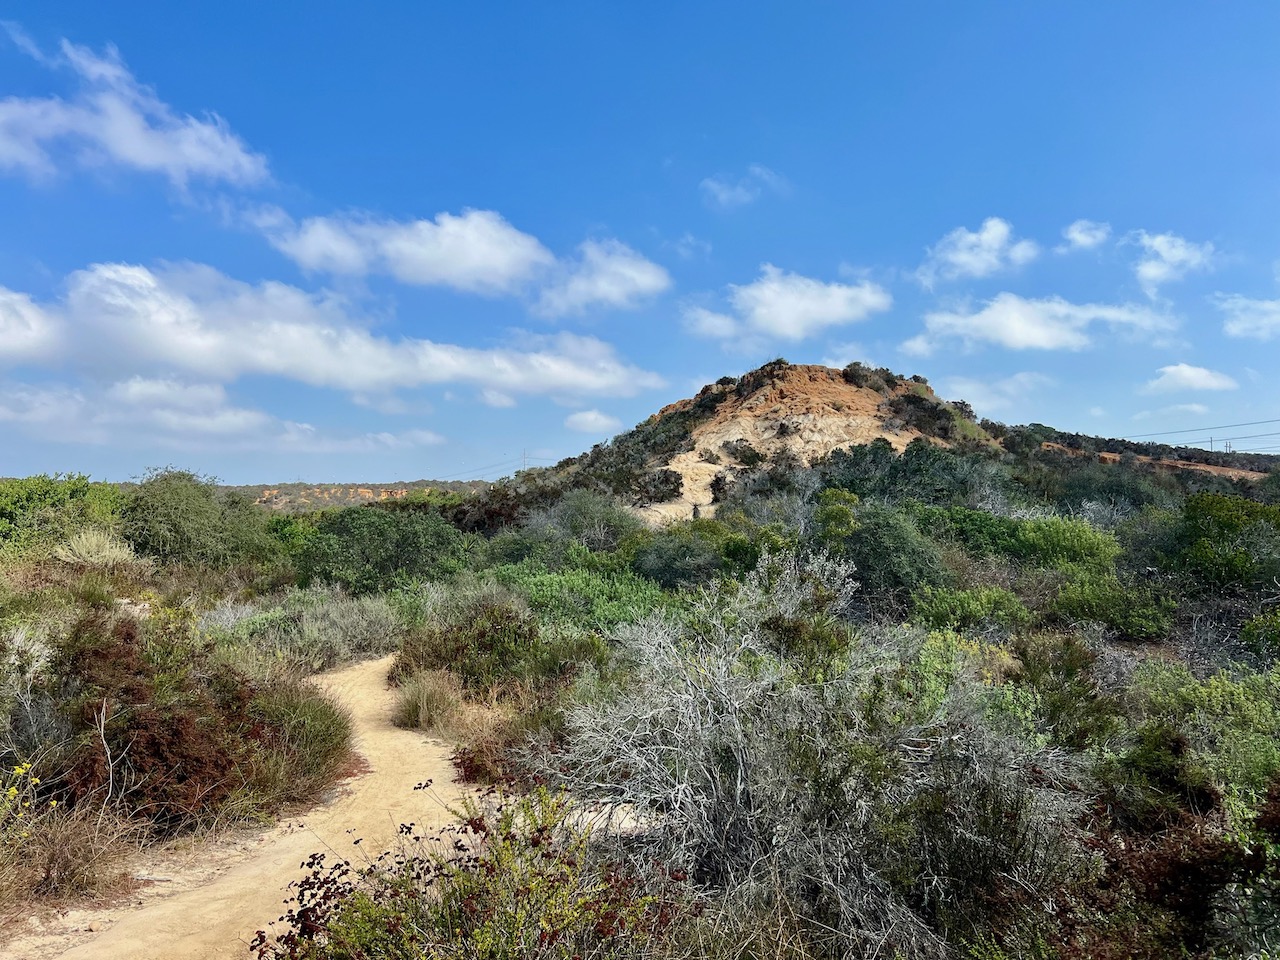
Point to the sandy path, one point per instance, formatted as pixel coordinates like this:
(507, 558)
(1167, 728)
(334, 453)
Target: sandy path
(206, 917)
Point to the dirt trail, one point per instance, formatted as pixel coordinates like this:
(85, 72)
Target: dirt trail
(199, 914)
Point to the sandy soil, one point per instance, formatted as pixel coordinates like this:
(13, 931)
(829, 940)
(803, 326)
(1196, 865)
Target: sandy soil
(807, 411)
(208, 902)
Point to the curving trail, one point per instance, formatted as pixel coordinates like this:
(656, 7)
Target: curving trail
(208, 917)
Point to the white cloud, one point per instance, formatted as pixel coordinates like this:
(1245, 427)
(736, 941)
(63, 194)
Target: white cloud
(176, 415)
(1168, 257)
(997, 396)
(726, 193)
(1021, 324)
(193, 321)
(607, 273)
(592, 421)
(477, 251)
(112, 120)
(689, 247)
(1084, 235)
(1255, 319)
(1183, 376)
(964, 253)
(27, 332)
(707, 323)
(497, 399)
(788, 306)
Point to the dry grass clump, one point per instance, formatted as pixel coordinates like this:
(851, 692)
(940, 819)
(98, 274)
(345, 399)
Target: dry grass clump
(429, 700)
(96, 548)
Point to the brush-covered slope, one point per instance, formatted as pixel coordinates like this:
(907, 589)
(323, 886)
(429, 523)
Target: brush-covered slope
(668, 463)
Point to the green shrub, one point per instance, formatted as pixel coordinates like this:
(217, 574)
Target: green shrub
(180, 517)
(306, 746)
(1261, 633)
(1059, 543)
(892, 557)
(483, 632)
(1135, 611)
(680, 556)
(594, 520)
(365, 549)
(1230, 541)
(39, 512)
(943, 608)
(95, 548)
(1229, 723)
(582, 597)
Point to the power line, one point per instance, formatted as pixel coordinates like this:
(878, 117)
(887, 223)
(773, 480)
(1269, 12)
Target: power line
(1221, 426)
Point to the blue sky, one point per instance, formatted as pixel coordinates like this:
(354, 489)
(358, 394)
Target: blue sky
(275, 241)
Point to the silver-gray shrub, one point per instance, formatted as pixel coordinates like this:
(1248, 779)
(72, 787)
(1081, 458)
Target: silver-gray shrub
(306, 631)
(870, 793)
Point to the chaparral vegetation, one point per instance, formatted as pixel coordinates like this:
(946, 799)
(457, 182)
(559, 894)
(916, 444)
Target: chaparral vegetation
(968, 697)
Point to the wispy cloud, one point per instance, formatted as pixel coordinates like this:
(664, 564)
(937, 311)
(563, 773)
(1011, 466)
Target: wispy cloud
(1168, 257)
(1017, 323)
(112, 120)
(177, 415)
(1247, 318)
(997, 396)
(724, 192)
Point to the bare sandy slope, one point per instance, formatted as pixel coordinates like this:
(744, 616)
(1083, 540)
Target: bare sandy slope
(193, 912)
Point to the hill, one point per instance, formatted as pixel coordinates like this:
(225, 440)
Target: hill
(668, 464)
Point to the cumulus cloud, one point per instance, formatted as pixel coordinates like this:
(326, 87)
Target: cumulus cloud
(726, 193)
(592, 421)
(113, 120)
(1018, 323)
(1183, 376)
(476, 251)
(1254, 319)
(1168, 257)
(788, 306)
(194, 321)
(1084, 235)
(997, 396)
(607, 273)
(964, 253)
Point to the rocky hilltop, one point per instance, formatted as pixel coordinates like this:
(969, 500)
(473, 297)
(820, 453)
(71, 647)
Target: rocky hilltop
(795, 411)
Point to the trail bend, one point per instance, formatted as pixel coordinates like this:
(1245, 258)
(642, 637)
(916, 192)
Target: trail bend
(209, 907)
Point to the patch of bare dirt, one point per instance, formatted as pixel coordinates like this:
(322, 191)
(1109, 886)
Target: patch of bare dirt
(806, 410)
(206, 901)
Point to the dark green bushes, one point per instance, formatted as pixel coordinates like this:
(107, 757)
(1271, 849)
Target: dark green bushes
(180, 517)
(1230, 541)
(365, 549)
